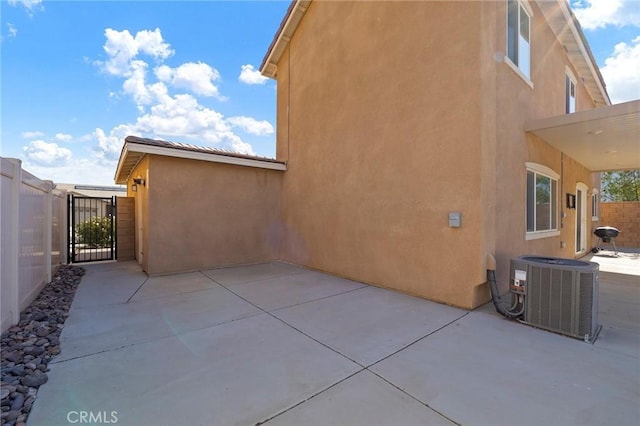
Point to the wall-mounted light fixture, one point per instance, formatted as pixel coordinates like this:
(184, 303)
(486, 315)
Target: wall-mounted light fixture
(571, 201)
(139, 181)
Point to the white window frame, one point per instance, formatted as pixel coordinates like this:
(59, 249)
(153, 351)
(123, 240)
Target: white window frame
(521, 62)
(582, 223)
(595, 205)
(542, 170)
(569, 83)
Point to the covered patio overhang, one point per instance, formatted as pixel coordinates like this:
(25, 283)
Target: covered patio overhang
(601, 139)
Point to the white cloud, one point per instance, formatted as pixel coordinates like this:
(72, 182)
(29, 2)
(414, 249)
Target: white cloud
(251, 125)
(249, 75)
(135, 84)
(110, 145)
(621, 72)
(32, 134)
(76, 170)
(164, 73)
(85, 138)
(30, 5)
(165, 110)
(178, 118)
(43, 153)
(594, 14)
(63, 137)
(121, 48)
(13, 31)
(197, 77)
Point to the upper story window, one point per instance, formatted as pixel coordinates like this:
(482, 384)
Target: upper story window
(542, 201)
(519, 36)
(570, 93)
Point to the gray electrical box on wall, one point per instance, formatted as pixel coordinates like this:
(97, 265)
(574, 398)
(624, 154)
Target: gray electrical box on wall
(455, 219)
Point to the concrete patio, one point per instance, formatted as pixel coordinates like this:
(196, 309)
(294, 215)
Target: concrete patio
(278, 344)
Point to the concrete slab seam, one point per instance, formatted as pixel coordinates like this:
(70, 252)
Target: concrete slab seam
(171, 295)
(419, 339)
(285, 274)
(288, 306)
(288, 274)
(291, 326)
(309, 398)
(414, 398)
(321, 298)
(366, 369)
(137, 290)
(167, 336)
(97, 353)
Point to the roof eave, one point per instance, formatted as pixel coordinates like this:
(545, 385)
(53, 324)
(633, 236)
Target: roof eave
(288, 26)
(117, 178)
(581, 58)
(139, 150)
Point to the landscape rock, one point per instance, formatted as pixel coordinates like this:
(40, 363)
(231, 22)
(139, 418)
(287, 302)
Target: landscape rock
(29, 402)
(34, 380)
(14, 356)
(33, 350)
(39, 316)
(18, 402)
(12, 415)
(18, 370)
(42, 342)
(30, 345)
(41, 332)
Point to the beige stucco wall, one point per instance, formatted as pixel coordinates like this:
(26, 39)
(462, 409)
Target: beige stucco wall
(141, 208)
(517, 103)
(382, 137)
(203, 214)
(392, 114)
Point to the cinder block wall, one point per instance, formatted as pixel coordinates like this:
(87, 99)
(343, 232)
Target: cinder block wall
(626, 217)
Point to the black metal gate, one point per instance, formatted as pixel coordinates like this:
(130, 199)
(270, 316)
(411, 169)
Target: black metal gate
(92, 229)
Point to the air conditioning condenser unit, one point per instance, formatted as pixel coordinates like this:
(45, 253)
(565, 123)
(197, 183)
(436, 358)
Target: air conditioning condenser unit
(561, 295)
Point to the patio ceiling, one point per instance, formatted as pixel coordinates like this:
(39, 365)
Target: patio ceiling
(602, 139)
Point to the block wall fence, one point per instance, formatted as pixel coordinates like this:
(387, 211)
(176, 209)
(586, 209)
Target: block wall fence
(626, 217)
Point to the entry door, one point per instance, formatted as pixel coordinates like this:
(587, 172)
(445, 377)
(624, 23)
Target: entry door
(581, 218)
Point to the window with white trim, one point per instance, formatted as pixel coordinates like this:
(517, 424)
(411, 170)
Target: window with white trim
(519, 36)
(570, 94)
(542, 200)
(595, 205)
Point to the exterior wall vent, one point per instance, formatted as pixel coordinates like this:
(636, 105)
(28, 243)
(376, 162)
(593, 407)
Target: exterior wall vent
(561, 295)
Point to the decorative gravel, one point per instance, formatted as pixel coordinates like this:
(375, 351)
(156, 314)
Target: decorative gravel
(28, 346)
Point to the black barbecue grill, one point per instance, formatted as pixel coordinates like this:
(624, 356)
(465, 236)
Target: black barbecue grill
(607, 234)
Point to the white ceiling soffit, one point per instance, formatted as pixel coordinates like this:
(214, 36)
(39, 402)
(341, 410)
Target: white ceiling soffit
(601, 139)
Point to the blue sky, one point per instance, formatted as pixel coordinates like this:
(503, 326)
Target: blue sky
(78, 76)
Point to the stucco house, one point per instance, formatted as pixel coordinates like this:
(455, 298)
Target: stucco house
(415, 140)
